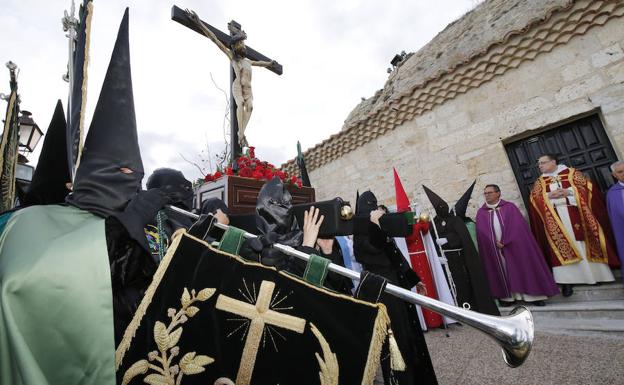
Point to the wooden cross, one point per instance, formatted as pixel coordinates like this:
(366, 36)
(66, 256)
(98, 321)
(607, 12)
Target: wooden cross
(260, 315)
(179, 15)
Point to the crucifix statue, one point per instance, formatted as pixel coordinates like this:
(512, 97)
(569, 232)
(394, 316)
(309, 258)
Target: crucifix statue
(242, 58)
(260, 316)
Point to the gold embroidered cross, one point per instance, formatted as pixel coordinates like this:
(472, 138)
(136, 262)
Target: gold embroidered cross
(260, 315)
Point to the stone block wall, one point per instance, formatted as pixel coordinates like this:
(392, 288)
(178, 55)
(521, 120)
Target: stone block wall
(463, 139)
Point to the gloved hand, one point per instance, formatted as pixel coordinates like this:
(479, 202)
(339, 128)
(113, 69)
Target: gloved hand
(140, 211)
(441, 241)
(146, 204)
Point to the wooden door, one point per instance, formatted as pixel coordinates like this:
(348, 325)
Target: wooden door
(582, 144)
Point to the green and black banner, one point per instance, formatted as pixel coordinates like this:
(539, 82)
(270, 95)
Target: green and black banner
(9, 150)
(210, 317)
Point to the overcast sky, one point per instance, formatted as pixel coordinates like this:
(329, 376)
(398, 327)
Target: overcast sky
(333, 53)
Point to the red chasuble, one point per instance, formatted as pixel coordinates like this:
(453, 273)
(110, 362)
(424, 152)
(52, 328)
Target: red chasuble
(589, 221)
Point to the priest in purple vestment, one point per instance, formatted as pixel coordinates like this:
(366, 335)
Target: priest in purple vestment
(615, 207)
(513, 262)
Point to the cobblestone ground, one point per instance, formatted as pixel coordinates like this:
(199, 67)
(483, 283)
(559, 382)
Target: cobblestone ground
(462, 355)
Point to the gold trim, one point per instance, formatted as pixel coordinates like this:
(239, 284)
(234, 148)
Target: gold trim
(260, 315)
(330, 371)
(555, 214)
(85, 78)
(379, 331)
(9, 198)
(590, 249)
(554, 247)
(167, 338)
(7, 124)
(124, 345)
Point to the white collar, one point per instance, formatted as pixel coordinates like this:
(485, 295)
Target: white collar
(492, 206)
(560, 168)
(621, 183)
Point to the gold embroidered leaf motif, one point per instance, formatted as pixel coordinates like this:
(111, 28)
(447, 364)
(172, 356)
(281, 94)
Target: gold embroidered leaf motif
(205, 294)
(157, 379)
(174, 337)
(191, 364)
(139, 367)
(191, 311)
(186, 298)
(161, 336)
(329, 363)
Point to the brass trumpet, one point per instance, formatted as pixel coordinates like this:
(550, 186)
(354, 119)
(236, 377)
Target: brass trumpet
(514, 333)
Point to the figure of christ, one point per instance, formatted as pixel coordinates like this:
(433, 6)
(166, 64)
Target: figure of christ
(241, 84)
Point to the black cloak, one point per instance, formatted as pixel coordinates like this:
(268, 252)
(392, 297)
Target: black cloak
(379, 254)
(472, 287)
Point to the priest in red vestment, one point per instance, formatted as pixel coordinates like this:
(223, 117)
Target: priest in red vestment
(570, 222)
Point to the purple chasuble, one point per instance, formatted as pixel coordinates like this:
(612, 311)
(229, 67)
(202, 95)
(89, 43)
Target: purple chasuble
(615, 206)
(520, 266)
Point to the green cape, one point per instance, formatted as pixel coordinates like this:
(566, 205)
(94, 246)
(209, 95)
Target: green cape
(56, 313)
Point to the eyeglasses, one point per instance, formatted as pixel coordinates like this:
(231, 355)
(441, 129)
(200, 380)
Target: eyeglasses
(541, 162)
(490, 192)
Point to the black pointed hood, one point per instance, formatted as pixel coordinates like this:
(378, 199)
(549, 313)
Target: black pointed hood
(49, 182)
(100, 186)
(274, 206)
(173, 183)
(366, 203)
(462, 204)
(440, 206)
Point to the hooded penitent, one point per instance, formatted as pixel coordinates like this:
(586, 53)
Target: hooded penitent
(55, 272)
(462, 204)
(417, 254)
(49, 182)
(178, 192)
(460, 210)
(174, 185)
(439, 205)
(100, 186)
(276, 224)
(273, 207)
(365, 203)
(378, 253)
(472, 289)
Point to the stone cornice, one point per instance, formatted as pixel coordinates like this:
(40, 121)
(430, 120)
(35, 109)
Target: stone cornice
(540, 36)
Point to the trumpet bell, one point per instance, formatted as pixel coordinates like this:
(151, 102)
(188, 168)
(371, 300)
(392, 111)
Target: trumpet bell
(517, 338)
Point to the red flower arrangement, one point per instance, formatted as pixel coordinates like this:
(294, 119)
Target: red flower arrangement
(251, 167)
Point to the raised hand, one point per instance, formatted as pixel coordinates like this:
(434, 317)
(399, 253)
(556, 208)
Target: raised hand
(192, 15)
(375, 215)
(311, 226)
(326, 245)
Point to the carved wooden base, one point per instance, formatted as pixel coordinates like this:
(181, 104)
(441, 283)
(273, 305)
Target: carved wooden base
(240, 194)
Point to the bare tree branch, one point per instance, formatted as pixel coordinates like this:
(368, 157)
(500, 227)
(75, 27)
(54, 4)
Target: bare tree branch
(193, 163)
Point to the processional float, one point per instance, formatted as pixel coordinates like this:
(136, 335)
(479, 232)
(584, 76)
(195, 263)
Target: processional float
(513, 333)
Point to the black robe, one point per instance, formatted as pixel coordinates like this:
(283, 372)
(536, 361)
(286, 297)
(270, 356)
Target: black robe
(132, 261)
(378, 254)
(465, 265)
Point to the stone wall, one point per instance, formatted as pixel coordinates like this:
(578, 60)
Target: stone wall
(463, 139)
